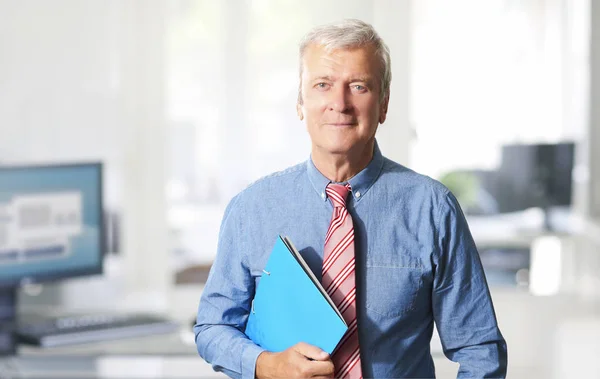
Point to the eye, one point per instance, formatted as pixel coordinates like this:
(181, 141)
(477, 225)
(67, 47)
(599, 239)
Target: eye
(322, 85)
(359, 88)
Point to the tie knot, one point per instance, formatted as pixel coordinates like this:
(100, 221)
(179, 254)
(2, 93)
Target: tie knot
(338, 193)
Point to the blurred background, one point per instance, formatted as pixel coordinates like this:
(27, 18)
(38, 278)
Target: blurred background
(165, 109)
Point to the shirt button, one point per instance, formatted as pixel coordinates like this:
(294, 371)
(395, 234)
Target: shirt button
(323, 195)
(357, 194)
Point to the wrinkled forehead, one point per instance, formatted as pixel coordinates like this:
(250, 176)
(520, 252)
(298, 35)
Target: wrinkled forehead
(319, 60)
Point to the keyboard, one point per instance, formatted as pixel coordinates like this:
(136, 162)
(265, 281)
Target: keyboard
(92, 328)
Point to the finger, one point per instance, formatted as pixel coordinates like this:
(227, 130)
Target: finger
(311, 352)
(320, 368)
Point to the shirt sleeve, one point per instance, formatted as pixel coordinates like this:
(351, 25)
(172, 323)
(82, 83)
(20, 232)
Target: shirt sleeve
(225, 304)
(462, 305)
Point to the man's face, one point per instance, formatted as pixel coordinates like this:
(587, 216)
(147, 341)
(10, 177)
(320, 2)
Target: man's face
(340, 92)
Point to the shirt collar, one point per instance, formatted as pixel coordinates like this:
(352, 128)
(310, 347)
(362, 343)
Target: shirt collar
(360, 183)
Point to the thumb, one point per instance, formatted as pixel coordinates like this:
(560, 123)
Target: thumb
(311, 352)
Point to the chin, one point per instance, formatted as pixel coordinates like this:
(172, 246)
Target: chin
(334, 147)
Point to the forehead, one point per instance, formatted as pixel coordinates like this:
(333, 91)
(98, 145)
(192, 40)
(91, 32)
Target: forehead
(318, 60)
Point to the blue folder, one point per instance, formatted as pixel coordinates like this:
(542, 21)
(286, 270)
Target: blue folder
(291, 306)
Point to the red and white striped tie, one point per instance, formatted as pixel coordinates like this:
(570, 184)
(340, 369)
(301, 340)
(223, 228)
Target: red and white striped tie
(339, 282)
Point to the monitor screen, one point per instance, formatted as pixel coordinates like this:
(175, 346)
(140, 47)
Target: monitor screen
(537, 175)
(50, 222)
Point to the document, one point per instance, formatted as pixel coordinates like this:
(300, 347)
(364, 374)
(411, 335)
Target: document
(290, 305)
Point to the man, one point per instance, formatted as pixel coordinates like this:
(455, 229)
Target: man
(392, 246)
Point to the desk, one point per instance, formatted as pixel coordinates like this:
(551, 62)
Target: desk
(160, 356)
(171, 356)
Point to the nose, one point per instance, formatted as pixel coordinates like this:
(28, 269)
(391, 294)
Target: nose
(339, 100)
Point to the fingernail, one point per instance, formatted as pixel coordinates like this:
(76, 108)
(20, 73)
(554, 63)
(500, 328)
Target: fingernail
(324, 354)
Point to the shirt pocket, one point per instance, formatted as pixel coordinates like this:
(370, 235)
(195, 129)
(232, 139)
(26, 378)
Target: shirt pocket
(392, 290)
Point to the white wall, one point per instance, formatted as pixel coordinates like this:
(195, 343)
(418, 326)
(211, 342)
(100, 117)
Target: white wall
(587, 255)
(59, 81)
(594, 109)
(392, 19)
(148, 275)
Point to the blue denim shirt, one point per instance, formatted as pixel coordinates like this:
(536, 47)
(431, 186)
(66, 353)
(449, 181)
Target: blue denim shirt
(416, 264)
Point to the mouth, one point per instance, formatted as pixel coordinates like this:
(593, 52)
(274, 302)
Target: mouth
(341, 124)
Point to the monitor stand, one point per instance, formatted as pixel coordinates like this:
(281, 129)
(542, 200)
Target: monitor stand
(8, 307)
(548, 227)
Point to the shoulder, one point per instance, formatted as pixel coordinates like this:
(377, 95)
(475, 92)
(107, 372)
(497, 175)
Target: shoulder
(274, 180)
(406, 180)
(269, 184)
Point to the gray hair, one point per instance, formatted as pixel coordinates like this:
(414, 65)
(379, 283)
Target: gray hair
(350, 33)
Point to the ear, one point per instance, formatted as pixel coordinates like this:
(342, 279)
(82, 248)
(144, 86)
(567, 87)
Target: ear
(299, 111)
(383, 108)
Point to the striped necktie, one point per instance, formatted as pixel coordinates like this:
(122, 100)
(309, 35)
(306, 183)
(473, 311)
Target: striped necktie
(339, 282)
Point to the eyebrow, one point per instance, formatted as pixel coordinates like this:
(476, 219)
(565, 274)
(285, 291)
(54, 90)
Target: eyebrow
(323, 77)
(365, 79)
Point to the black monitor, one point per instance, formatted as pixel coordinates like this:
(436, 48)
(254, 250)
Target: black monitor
(529, 176)
(535, 175)
(51, 228)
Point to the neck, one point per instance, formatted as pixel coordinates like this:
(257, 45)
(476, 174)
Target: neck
(341, 167)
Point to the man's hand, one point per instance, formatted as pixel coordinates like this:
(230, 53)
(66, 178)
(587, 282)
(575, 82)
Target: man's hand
(299, 361)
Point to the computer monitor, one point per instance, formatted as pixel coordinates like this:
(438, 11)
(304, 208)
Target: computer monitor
(51, 227)
(536, 175)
